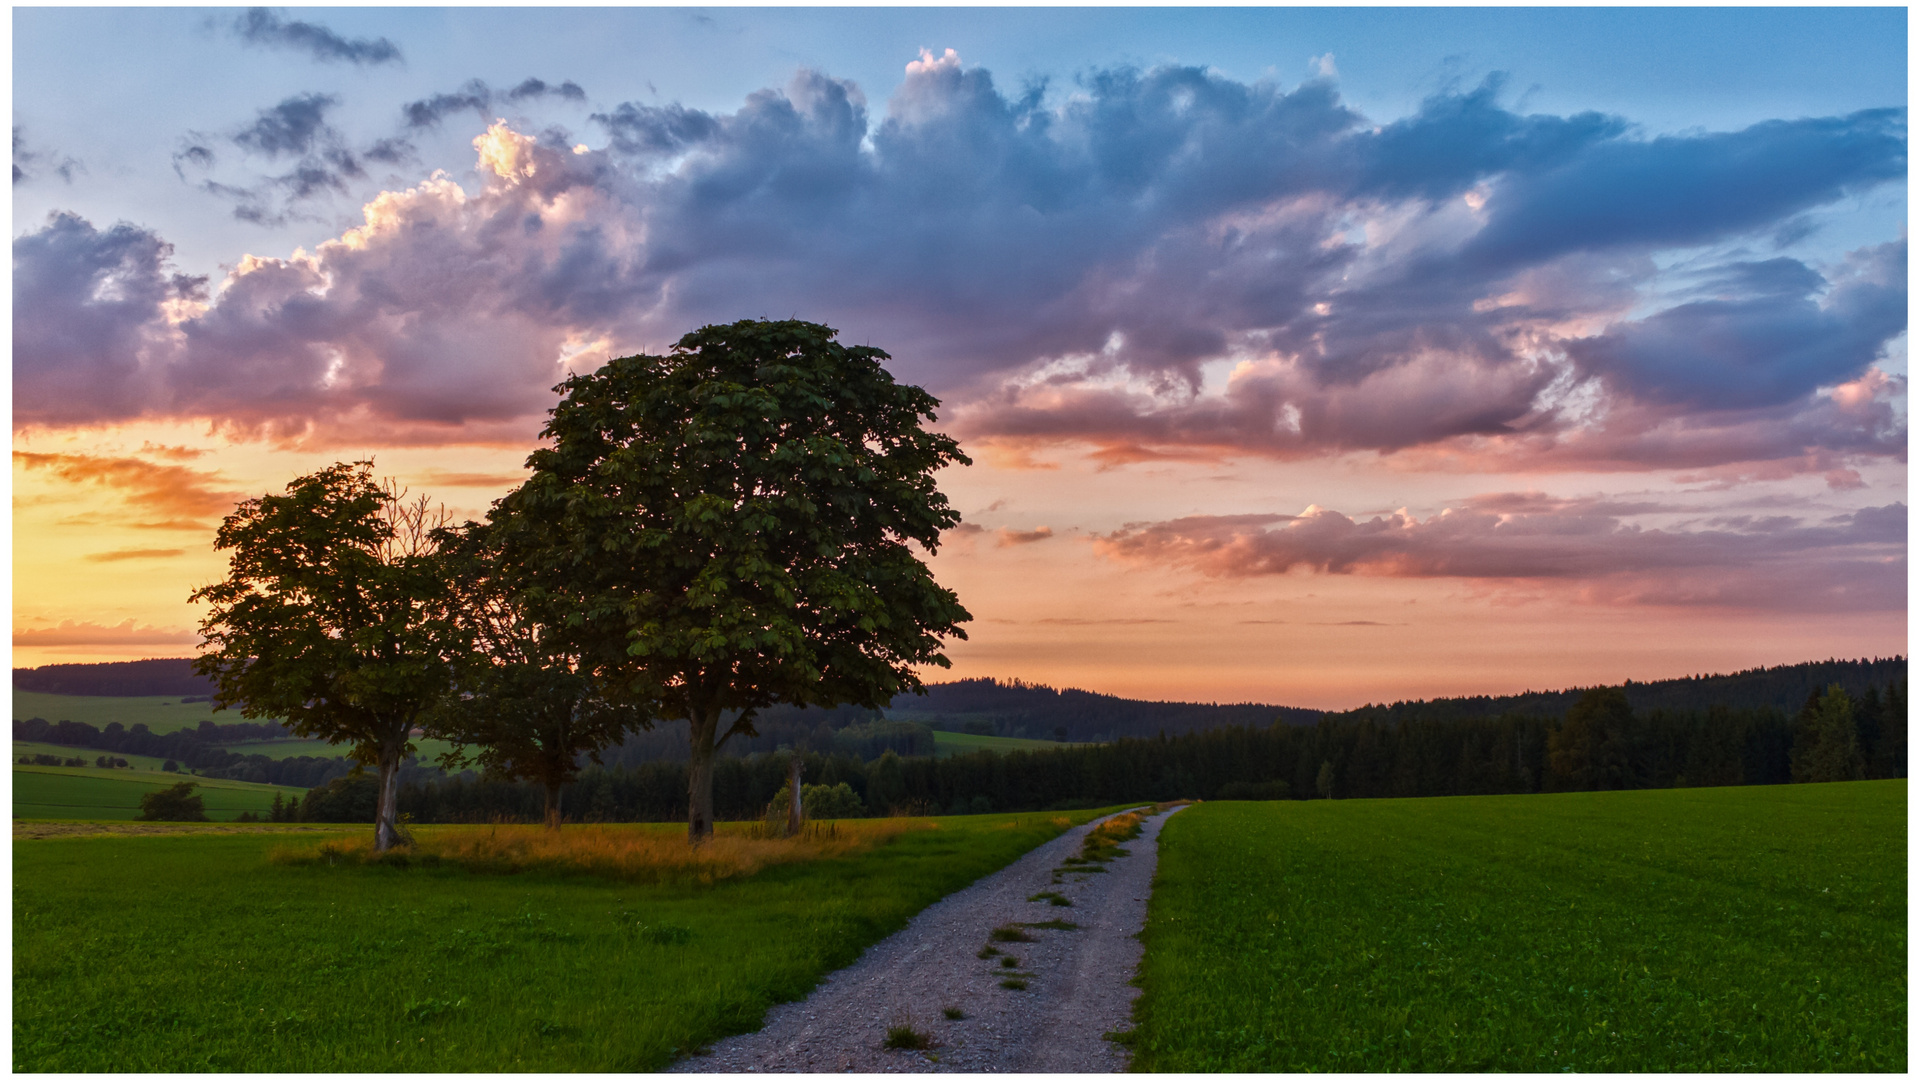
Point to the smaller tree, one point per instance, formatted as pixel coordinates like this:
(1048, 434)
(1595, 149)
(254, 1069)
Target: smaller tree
(1589, 751)
(177, 803)
(1826, 744)
(332, 616)
(524, 708)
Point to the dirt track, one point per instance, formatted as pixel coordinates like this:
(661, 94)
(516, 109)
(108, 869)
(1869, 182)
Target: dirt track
(1076, 981)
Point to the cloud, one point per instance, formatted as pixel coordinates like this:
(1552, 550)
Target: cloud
(1166, 264)
(263, 26)
(297, 129)
(1590, 547)
(443, 478)
(291, 128)
(123, 554)
(165, 489)
(27, 158)
(478, 98)
(92, 334)
(87, 633)
(1015, 537)
(1767, 338)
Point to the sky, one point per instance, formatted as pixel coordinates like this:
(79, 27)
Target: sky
(1305, 356)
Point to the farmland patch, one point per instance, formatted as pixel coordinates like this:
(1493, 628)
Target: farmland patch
(1756, 929)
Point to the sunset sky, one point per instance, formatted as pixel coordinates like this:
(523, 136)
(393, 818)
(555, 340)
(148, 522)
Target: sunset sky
(1311, 357)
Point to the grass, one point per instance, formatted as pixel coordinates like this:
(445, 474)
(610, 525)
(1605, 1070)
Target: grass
(904, 1037)
(1050, 897)
(135, 762)
(1757, 929)
(1053, 924)
(195, 952)
(160, 714)
(949, 743)
(738, 849)
(94, 794)
(1010, 932)
(953, 1013)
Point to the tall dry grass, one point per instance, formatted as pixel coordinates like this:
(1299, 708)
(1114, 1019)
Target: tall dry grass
(627, 852)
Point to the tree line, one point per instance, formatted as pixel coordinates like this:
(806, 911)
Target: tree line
(198, 748)
(1602, 743)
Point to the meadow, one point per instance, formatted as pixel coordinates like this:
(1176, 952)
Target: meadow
(949, 743)
(136, 762)
(160, 714)
(233, 952)
(1707, 929)
(93, 794)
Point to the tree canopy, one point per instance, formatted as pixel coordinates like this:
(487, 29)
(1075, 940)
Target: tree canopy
(332, 617)
(734, 525)
(524, 707)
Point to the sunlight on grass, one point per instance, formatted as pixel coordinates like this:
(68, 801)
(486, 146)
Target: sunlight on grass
(624, 852)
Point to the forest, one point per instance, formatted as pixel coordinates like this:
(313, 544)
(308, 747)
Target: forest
(1601, 743)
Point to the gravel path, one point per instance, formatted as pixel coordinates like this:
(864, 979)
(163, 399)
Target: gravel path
(1076, 981)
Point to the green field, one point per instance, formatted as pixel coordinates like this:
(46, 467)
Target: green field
(137, 762)
(160, 714)
(92, 794)
(194, 952)
(949, 743)
(1755, 929)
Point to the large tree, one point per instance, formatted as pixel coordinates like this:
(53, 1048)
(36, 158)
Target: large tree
(525, 708)
(333, 618)
(734, 525)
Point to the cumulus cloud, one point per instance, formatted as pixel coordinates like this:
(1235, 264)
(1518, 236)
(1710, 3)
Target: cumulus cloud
(1166, 263)
(265, 27)
(1592, 547)
(90, 633)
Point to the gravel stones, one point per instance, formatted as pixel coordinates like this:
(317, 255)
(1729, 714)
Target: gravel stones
(1074, 983)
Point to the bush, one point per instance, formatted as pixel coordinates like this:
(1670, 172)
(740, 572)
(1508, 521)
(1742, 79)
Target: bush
(822, 802)
(170, 766)
(177, 803)
(348, 800)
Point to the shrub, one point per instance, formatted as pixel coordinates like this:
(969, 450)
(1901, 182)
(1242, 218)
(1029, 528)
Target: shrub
(346, 800)
(177, 803)
(839, 801)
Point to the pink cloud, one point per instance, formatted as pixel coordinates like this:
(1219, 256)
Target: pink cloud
(1590, 546)
(89, 633)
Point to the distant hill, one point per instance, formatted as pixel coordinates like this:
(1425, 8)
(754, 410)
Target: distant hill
(1785, 687)
(128, 678)
(1028, 710)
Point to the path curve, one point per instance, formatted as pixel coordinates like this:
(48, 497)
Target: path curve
(1078, 981)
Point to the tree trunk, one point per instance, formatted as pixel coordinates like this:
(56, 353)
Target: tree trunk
(793, 784)
(700, 727)
(553, 805)
(385, 830)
